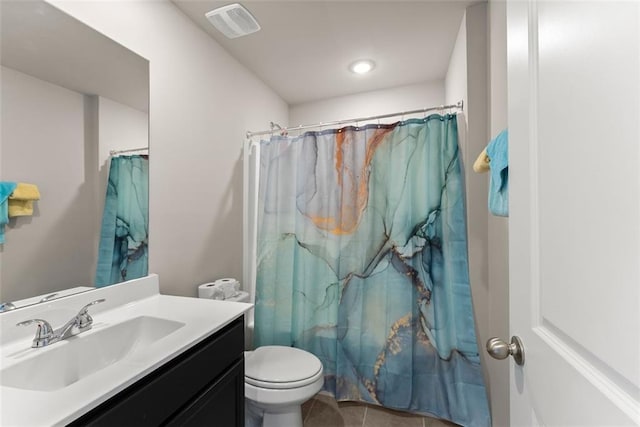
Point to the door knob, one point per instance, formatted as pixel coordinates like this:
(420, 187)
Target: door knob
(499, 349)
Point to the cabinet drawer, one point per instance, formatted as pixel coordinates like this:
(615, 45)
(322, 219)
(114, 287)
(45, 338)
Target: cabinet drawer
(221, 404)
(156, 397)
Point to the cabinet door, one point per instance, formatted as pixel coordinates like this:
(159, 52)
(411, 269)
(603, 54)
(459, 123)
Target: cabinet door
(221, 404)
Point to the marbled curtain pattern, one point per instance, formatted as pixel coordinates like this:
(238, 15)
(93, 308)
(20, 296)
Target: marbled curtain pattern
(362, 260)
(124, 235)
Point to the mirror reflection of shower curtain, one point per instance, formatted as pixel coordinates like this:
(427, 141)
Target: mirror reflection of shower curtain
(362, 260)
(123, 249)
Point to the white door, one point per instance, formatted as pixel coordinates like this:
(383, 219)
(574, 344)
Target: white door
(574, 129)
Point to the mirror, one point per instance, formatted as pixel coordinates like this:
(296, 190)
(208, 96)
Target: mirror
(71, 99)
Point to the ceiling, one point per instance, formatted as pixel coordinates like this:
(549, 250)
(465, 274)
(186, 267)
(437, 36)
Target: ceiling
(41, 41)
(304, 47)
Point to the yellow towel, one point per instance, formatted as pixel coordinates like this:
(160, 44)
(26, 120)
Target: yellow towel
(21, 200)
(482, 163)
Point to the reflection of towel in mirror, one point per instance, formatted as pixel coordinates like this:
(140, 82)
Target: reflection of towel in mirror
(6, 188)
(498, 152)
(21, 201)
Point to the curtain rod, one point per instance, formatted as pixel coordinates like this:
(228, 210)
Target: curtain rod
(459, 105)
(113, 152)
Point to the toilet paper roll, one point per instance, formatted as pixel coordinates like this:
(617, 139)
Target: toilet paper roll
(228, 281)
(241, 296)
(229, 286)
(210, 291)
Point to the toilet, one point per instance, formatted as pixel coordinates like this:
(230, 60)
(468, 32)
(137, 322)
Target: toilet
(278, 380)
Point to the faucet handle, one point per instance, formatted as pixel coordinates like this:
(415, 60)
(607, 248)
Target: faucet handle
(48, 297)
(44, 332)
(7, 306)
(84, 319)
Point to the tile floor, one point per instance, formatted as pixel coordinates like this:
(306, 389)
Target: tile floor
(323, 411)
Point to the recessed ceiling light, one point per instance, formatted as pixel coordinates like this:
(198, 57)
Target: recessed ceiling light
(362, 66)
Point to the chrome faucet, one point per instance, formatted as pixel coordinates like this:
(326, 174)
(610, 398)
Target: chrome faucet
(45, 334)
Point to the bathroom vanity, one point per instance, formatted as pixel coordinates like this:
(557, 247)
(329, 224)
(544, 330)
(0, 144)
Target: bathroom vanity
(148, 360)
(202, 386)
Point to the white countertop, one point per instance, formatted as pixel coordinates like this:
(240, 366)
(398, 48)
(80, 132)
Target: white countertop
(202, 318)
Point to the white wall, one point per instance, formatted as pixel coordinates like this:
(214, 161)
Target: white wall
(401, 98)
(498, 245)
(202, 101)
(455, 82)
(467, 78)
(120, 128)
(43, 143)
(477, 185)
(477, 73)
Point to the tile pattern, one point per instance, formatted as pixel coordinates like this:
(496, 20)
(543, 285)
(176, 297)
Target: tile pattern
(323, 411)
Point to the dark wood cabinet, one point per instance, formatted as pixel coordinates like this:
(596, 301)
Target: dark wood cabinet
(204, 386)
(217, 406)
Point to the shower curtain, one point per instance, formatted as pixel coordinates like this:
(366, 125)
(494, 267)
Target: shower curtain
(123, 250)
(362, 260)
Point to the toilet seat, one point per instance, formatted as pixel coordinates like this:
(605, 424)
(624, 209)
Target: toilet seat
(283, 385)
(279, 367)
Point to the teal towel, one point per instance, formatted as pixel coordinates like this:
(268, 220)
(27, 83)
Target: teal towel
(498, 152)
(6, 188)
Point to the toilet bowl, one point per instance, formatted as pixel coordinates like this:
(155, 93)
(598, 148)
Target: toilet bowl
(278, 380)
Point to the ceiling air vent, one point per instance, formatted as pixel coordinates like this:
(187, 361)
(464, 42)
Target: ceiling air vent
(233, 20)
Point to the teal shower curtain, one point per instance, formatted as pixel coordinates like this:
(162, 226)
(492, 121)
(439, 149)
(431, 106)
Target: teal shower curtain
(362, 260)
(123, 250)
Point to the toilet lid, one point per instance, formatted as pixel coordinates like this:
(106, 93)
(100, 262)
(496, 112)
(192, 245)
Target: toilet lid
(281, 367)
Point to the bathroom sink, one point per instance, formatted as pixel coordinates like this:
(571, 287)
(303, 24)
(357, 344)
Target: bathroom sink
(66, 362)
